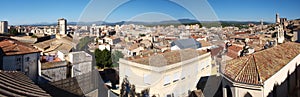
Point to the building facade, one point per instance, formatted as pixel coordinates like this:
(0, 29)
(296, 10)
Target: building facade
(273, 72)
(81, 63)
(171, 73)
(3, 27)
(62, 26)
(16, 56)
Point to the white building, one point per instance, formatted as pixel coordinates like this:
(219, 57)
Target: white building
(112, 40)
(81, 63)
(3, 27)
(17, 56)
(273, 72)
(62, 26)
(171, 73)
(104, 46)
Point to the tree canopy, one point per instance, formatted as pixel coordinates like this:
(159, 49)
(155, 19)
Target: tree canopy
(103, 58)
(116, 55)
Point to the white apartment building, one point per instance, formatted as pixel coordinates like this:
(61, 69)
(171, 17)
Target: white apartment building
(171, 73)
(62, 26)
(3, 27)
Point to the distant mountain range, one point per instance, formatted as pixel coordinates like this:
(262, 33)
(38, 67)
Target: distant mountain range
(168, 22)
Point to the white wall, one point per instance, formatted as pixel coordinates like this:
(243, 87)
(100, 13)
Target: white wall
(279, 77)
(145, 76)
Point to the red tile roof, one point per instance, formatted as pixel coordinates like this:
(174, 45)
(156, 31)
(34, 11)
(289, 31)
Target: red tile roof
(235, 48)
(14, 47)
(258, 67)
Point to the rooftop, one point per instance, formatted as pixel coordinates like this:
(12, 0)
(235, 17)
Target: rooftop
(13, 47)
(169, 58)
(258, 67)
(16, 84)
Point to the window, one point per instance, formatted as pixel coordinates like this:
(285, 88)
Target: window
(27, 59)
(18, 59)
(147, 79)
(176, 77)
(167, 80)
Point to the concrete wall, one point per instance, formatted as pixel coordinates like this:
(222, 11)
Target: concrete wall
(176, 79)
(55, 74)
(27, 63)
(81, 68)
(81, 63)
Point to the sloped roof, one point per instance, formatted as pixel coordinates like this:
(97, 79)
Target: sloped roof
(169, 58)
(260, 66)
(187, 43)
(64, 44)
(13, 83)
(14, 47)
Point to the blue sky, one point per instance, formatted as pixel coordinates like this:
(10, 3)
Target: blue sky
(18, 12)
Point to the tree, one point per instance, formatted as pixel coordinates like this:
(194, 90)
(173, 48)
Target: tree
(83, 42)
(13, 31)
(116, 55)
(103, 58)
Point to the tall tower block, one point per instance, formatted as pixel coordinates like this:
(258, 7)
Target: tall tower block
(62, 26)
(277, 19)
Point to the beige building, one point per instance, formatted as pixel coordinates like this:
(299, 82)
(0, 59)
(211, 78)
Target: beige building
(273, 72)
(17, 56)
(62, 26)
(171, 73)
(3, 27)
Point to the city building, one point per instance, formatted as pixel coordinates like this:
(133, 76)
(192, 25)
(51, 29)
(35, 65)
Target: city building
(57, 46)
(277, 20)
(81, 63)
(234, 51)
(185, 43)
(54, 71)
(54, 68)
(134, 49)
(280, 34)
(85, 85)
(3, 27)
(170, 73)
(112, 40)
(62, 26)
(273, 72)
(17, 56)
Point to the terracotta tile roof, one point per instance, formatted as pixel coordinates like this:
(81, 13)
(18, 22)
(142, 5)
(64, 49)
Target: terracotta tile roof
(14, 47)
(235, 48)
(133, 46)
(16, 84)
(258, 67)
(169, 58)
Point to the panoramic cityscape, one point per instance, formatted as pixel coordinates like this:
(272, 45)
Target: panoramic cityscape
(150, 48)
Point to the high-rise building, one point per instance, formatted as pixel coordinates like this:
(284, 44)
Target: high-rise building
(277, 18)
(62, 26)
(3, 27)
